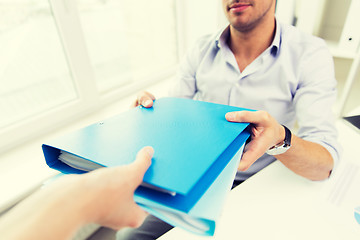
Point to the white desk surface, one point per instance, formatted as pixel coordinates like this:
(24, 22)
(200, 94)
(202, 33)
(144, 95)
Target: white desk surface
(278, 204)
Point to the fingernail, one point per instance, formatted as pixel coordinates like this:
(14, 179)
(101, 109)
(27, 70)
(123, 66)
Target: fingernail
(230, 116)
(242, 167)
(148, 102)
(150, 151)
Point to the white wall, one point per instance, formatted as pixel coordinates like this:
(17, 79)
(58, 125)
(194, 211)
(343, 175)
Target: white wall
(200, 17)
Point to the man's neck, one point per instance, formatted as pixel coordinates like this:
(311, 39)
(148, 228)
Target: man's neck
(247, 46)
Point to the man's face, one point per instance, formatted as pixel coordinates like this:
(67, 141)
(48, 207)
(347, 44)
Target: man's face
(244, 15)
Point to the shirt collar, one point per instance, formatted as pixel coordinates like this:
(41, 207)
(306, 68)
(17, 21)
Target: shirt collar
(222, 37)
(276, 43)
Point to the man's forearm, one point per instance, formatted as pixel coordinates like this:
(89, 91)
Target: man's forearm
(308, 159)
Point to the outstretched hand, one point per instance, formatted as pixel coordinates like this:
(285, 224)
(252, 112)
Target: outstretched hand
(265, 133)
(116, 186)
(103, 196)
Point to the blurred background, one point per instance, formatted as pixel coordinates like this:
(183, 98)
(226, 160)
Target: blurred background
(63, 59)
(65, 64)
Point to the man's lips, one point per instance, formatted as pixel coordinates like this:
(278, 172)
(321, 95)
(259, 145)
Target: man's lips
(238, 7)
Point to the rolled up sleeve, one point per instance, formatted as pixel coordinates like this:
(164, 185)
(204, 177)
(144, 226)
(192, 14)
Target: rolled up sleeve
(314, 101)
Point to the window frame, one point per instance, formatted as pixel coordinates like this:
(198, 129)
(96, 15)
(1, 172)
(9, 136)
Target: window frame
(67, 19)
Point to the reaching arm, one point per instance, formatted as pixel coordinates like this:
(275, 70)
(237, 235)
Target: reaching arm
(308, 159)
(104, 196)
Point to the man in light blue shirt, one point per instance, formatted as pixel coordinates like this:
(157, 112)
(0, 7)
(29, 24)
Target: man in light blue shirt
(287, 75)
(292, 80)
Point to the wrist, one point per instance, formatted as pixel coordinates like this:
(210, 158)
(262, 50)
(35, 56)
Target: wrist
(86, 197)
(281, 135)
(75, 198)
(60, 200)
(284, 144)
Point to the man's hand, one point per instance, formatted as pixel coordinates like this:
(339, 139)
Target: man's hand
(265, 133)
(144, 99)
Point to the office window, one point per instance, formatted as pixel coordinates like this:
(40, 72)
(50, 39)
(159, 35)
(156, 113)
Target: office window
(34, 74)
(62, 59)
(128, 40)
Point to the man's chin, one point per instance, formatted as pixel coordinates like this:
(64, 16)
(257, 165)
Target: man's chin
(242, 27)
